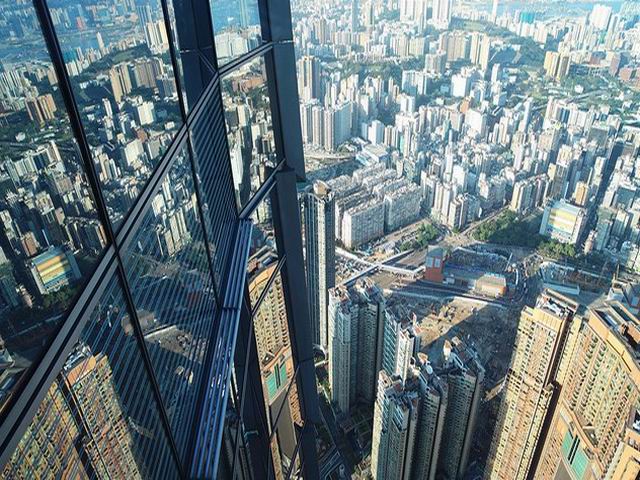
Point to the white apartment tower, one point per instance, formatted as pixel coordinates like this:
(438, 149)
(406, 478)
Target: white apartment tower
(320, 251)
(464, 376)
(441, 13)
(356, 321)
(408, 423)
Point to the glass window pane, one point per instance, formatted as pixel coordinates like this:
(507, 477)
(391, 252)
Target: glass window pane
(263, 252)
(280, 393)
(234, 457)
(168, 270)
(50, 235)
(249, 127)
(283, 412)
(236, 24)
(99, 417)
(212, 173)
(117, 56)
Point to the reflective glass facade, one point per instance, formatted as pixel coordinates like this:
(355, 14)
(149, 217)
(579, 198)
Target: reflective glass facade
(147, 251)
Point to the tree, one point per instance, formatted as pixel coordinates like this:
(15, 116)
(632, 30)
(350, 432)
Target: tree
(427, 233)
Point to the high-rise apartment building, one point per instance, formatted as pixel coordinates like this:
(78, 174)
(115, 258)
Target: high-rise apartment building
(309, 78)
(152, 287)
(531, 386)
(595, 428)
(480, 49)
(464, 376)
(528, 194)
(408, 423)
(441, 11)
(356, 324)
(556, 65)
(362, 223)
(320, 251)
(401, 344)
(424, 420)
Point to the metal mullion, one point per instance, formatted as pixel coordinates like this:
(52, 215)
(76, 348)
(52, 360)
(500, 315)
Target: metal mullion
(131, 351)
(174, 60)
(207, 95)
(190, 360)
(139, 335)
(229, 313)
(209, 393)
(233, 392)
(217, 82)
(274, 102)
(248, 349)
(286, 224)
(296, 450)
(220, 398)
(200, 19)
(203, 222)
(133, 218)
(212, 68)
(263, 191)
(201, 104)
(265, 20)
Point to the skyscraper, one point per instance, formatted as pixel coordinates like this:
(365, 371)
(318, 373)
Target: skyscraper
(531, 386)
(320, 251)
(309, 78)
(594, 431)
(441, 13)
(355, 335)
(400, 345)
(408, 422)
(464, 375)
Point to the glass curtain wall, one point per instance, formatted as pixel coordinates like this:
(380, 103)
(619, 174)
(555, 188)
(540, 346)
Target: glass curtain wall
(149, 325)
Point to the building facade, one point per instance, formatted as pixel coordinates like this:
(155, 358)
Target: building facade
(531, 387)
(356, 327)
(594, 431)
(320, 253)
(408, 423)
(464, 376)
(150, 246)
(563, 222)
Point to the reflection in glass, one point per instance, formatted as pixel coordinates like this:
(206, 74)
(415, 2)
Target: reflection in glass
(263, 253)
(234, 451)
(120, 68)
(236, 24)
(277, 368)
(249, 127)
(99, 417)
(217, 196)
(168, 271)
(50, 236)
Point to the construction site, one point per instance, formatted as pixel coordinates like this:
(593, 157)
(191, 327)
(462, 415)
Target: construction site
(489, 328)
